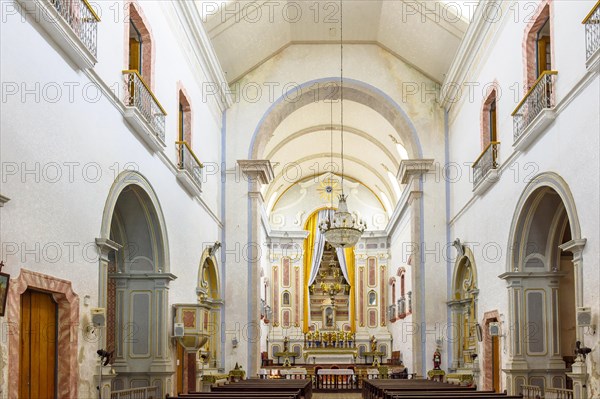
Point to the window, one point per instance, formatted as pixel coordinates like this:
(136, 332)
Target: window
(140, 45)
(538, 45)
(135, 48)
(185, 118)
(543, 49)
(489, 127)
(372, 298)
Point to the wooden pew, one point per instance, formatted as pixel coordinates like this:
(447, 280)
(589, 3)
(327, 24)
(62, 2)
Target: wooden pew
(268, 386)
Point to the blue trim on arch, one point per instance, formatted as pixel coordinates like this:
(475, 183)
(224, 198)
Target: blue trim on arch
(359, 83)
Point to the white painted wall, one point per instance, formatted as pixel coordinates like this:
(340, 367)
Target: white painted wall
(49, 212)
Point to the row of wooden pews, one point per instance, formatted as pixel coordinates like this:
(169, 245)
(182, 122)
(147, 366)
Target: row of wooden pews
(423, 389)
(254, 389)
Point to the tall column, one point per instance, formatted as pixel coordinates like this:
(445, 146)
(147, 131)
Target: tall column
(257, 173)
(410, 173)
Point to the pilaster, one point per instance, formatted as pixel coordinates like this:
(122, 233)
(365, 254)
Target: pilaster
(257, 172)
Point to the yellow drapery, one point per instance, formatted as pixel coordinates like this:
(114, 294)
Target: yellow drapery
(309, 244)
(349, 252)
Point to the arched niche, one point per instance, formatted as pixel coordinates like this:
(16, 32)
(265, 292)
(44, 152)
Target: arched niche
(464, 311)
(209, 295)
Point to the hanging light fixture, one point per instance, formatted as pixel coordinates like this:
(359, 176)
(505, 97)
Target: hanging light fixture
(342, 230)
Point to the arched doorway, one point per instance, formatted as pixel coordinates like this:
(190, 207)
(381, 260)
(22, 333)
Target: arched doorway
(542, 280)
(136, 291)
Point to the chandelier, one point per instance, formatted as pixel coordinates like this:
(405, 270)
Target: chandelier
(342, 230)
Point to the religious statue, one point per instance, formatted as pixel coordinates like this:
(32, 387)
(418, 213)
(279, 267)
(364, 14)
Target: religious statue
(437, 359)
(373, 344)
(329, 317)
(286, 343)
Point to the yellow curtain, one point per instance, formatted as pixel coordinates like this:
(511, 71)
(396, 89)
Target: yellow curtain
(349, 252)
(309, 244)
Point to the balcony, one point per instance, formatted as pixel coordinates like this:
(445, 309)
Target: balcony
(485, 168)
(592, 35)
(73, 24)
(535, 112)
(190, 168)
(143, 111)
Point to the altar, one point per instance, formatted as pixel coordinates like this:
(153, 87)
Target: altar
(330, 355)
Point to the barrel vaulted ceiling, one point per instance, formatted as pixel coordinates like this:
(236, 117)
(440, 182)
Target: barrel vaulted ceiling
(423, 34)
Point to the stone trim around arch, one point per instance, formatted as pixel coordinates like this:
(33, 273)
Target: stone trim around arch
(354, 90)
(68, 320)
(558, 184)
(123, 180)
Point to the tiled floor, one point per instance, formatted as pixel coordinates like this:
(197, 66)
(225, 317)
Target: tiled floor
(341, 395)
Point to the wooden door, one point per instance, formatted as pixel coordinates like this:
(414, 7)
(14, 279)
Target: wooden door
(38, 346)
(180, 369)
(496, 363)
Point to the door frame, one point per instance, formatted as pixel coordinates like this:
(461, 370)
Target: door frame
(68, 320)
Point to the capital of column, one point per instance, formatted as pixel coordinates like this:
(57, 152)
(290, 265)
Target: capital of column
(258, 170)
(411, 168)
(575, 247)
(105, 246)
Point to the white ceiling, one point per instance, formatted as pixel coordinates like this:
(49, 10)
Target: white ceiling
(245, 34)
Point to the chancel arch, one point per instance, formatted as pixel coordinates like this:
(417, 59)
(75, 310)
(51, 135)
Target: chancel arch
(134, 277)
(544, 281)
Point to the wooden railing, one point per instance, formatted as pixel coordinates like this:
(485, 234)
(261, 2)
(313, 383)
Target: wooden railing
(82, 18)
(532, 392)
(592, 31)
(539, 97)
(139, 95)
(136, 393)
(487, 161)
(558, 393)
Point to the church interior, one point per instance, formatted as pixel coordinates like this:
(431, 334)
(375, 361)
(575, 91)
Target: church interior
(296, 199)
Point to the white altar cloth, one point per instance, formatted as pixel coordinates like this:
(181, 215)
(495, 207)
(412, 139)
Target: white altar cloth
(336, 371)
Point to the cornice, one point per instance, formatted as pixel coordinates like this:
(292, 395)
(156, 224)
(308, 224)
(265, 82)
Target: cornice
(466, 53)
(191, 21)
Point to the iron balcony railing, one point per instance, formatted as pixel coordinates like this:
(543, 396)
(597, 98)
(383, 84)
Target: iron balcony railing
(139, 95)
(82, 18)
(487, 161)
(189, 162)
(592, 31)
(539, 97)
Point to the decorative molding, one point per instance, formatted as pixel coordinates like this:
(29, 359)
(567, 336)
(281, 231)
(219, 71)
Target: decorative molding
(260, 170)
(468, 50)
(413, 167)
(3, 200)
(68, 320)
(488, 180)
(538, 126)
(204, 52)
